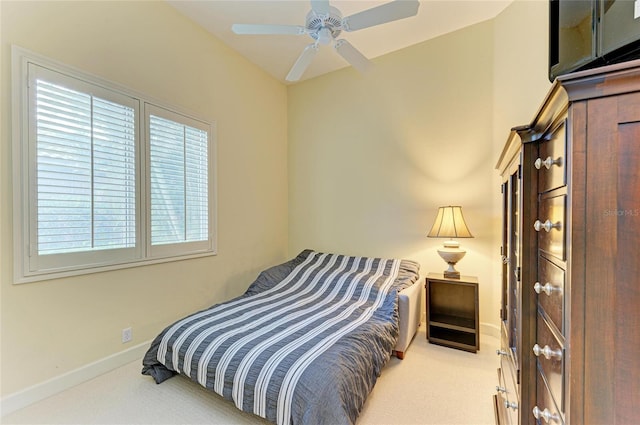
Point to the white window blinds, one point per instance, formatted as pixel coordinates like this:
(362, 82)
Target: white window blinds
(104, 178)
(179, 182)
(85, 155)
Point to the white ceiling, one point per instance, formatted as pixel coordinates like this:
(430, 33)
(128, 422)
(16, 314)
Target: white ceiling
(277, 53)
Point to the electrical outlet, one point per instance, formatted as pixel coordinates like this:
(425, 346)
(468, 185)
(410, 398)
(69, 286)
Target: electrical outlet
(127, 335)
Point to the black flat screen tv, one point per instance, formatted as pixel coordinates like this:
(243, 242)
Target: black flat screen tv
(586, 34)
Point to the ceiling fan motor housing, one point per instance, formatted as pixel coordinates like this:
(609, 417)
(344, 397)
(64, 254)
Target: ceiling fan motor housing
(332, 21)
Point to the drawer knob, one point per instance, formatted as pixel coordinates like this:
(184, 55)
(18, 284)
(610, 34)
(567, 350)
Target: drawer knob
(547, 163)
(511, 405)
(501, 389)
(547, 288)
(547, 225)
(545, 414)
(547, 352)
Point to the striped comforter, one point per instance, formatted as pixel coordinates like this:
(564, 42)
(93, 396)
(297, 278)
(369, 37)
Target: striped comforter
(304, 345)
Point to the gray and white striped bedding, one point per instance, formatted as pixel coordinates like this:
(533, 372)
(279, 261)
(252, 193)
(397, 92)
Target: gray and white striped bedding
(304, 344)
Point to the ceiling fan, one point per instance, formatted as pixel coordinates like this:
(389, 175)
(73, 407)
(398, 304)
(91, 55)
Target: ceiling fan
(324, 23)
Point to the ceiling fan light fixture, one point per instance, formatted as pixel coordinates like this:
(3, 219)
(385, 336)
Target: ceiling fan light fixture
(324, 36)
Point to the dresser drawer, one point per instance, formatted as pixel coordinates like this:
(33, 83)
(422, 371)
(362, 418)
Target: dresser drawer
(550, 362)
(545, 409)
(501, 401)
(551, 163)
(508, 392)
(509, 376)
(550, 288)
(550, 225)
(499, 410)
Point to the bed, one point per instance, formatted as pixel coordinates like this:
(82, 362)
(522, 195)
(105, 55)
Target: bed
(303, 345)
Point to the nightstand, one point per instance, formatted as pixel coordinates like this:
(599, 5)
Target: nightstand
(452, 311)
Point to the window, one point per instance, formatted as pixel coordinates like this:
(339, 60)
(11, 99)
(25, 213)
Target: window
(179, 184)
(103, 177)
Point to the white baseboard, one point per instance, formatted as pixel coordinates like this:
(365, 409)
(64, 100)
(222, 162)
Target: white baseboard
(45, 389)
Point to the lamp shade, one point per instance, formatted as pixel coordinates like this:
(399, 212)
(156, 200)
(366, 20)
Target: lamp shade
(450, 224)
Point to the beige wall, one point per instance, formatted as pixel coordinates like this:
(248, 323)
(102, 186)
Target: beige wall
(520, 73)
(372, 157)
(49, 328)
(520, 66)
(368, 161)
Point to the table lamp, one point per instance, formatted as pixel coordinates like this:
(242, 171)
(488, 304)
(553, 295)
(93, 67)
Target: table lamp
(450, 224)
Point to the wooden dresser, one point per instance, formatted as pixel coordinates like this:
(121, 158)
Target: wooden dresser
(570, 346)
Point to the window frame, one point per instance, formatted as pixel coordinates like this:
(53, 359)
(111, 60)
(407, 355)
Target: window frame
(89, 258)
(29, 267)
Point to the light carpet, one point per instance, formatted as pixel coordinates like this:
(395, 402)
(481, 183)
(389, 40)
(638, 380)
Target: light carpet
(433, 385)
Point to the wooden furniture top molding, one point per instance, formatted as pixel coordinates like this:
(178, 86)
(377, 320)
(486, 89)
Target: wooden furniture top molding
(554, 106)
(510, 150)
(604, 81)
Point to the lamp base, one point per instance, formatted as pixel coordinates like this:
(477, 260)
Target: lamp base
(451, 253)
(451, 274)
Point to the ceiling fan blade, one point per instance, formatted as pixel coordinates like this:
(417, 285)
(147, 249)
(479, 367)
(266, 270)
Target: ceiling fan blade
(392, 11)
(320, 7)
(302, 63)
(352, 55)
(255, 29)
